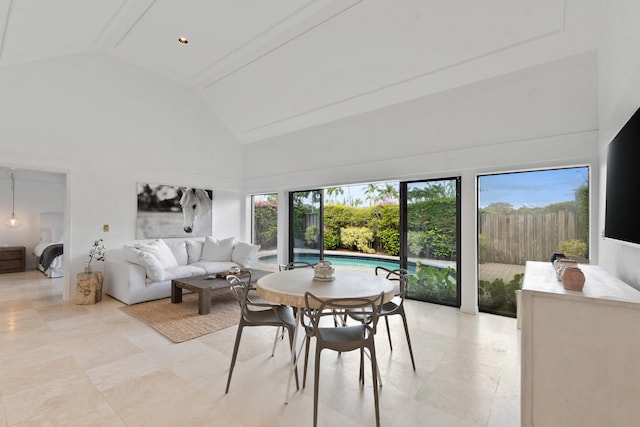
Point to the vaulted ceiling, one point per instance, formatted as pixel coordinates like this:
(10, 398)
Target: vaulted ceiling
(268, 67)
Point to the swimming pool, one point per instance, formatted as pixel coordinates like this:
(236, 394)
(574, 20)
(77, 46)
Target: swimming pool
(346, 261)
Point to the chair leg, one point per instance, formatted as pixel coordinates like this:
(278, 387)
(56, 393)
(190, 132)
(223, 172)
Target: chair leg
(374, 375)
(386, 321)
(233, 358)
(279, 335)
(307, 341)
(361, 375)
(291, 332)
(406, 331)
(316, 383)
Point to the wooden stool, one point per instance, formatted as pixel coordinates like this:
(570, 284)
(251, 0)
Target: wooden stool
(89, 288)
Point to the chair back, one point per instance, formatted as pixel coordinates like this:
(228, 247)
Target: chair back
(295, 264)
(240, 290)
(316, 309)
(399, 275)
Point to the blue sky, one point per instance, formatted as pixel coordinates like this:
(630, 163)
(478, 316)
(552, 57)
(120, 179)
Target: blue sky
(520, 189)
(531, 189)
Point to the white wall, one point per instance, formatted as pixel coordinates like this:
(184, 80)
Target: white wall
(107, 126)
(36, 192)
(618, 99)
(540, 117)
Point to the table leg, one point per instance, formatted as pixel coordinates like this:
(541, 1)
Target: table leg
(204, 301)
(294, 351)
(176, 293)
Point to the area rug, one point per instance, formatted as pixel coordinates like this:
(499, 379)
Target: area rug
(181, 322)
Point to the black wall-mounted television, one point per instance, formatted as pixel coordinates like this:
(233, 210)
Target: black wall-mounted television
(622, 219)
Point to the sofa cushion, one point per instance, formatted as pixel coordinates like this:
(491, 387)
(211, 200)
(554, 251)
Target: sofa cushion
(245, 254)
(160, 250)
(194, 250)
(179, 251)
(153, 268)
(217, 250)
(182, 271)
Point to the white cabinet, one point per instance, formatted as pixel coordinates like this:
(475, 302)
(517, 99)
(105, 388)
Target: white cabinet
(580, 350)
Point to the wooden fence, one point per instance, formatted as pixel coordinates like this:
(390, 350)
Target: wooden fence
(516, 238)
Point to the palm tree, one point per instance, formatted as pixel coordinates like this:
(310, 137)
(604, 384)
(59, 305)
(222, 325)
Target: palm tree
(389, 192)
(372, 193)
(334, 191)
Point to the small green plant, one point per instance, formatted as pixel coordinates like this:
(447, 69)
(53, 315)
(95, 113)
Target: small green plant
(311, 235)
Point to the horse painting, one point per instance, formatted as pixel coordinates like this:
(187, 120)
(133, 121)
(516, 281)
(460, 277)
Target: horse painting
(173, 211)
(196, 207)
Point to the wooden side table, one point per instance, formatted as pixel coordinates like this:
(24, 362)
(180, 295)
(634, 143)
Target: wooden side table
(89, 288)
(12, 259)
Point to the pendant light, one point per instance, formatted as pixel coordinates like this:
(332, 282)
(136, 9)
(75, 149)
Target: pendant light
(13, 221)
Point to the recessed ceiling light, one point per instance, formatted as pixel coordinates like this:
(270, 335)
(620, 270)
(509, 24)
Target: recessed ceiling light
(182, 40)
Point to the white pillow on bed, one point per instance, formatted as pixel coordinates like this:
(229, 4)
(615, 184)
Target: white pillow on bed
(40, 247)
(46, 236)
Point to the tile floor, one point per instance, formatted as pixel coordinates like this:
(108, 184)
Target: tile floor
(63, 364)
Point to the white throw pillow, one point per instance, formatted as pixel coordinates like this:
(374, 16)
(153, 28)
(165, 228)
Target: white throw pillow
(194, 250)
(217, 250)
(245, 254)
(46, 236)
(179, 250)
(150, 263)
(160, 250)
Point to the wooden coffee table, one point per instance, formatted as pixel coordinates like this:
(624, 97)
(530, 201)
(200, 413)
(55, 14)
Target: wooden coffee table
(203, 285)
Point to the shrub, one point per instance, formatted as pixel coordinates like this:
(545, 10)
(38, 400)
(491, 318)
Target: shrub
(390, 241)
(331, 240)
(417, 243)
(575, 248)
(433, 283)
(498, 296)
(358, 238)
(482, 247)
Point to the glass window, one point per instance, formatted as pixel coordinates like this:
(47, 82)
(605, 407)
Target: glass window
(527, 216)
(265, 229)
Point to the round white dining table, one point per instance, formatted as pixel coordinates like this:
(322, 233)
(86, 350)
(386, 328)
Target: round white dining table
(288, 288)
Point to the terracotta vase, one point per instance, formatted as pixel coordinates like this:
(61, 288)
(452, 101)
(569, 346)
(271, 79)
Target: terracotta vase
(561, 263)
(572, 278)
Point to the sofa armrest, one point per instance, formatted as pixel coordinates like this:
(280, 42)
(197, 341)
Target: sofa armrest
(121, 276)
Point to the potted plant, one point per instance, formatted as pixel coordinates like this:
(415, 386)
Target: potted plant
(96, 252)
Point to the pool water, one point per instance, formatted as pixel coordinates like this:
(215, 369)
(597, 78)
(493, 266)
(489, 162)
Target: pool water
(345, 261)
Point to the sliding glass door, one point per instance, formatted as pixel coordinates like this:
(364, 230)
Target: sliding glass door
(264, 229)
(527, 216)
(417, 227)
(306, 224)
(431, 238)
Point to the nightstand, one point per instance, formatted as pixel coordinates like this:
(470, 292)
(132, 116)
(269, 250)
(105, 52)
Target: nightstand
(12, 259)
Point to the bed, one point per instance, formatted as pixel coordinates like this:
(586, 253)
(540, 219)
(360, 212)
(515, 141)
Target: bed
(49, 251)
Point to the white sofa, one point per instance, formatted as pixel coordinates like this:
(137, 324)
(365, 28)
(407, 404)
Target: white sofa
(143, 270)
